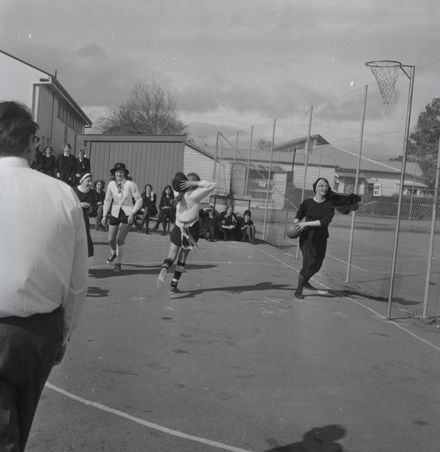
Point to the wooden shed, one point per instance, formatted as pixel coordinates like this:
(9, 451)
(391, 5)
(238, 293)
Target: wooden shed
(150, 159)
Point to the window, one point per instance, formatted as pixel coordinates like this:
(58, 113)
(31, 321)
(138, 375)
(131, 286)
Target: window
(377, 189)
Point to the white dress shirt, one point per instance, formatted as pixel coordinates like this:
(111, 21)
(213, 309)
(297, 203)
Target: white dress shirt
(43, 257)
(122, 197)
(187, 209)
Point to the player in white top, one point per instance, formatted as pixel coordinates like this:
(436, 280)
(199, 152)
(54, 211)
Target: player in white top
(123, 210)
(186, 231)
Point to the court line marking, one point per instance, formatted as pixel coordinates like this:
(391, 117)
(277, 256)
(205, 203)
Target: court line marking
(143, 422)
(379, 316)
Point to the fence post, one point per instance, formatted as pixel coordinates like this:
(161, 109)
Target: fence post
(236, 146)
(248, 162)
(306, 162)
(355, 188)
(268, 178)
(214, 171)
(288, 202)
(431, 236)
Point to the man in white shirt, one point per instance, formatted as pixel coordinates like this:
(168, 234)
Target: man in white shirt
(43, 274)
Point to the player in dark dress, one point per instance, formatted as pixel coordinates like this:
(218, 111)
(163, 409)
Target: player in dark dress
(317, 213)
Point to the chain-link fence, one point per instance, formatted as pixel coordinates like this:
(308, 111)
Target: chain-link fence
(388, 249)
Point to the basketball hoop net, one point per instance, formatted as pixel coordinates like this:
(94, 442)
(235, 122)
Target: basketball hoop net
(386, 73)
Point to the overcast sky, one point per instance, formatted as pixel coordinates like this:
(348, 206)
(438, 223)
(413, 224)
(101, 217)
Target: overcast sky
(231, 62)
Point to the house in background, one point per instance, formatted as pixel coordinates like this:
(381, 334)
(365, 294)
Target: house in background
(244, 173)
(376, 178)
(59, 117)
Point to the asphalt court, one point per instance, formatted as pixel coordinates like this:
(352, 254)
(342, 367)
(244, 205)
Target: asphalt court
(235, 363)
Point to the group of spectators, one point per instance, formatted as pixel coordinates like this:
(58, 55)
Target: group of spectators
(226, 225)
(214, 225)
(65, 166)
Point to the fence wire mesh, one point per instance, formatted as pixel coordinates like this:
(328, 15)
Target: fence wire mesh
(273, 165)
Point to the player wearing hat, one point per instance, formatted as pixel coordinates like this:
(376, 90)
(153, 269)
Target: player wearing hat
(122, 214)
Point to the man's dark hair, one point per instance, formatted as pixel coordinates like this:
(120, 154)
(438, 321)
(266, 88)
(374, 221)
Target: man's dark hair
(16, 127)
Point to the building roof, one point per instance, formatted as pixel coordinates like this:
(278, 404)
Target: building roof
(326, 155)
(300, 143)
(55, 85)
(133, 138)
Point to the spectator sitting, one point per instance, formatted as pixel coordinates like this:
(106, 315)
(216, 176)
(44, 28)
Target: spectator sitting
(100, 196)
(209, 223)
(166, 209)
(149, 208)
(247, 227)
(230, 225)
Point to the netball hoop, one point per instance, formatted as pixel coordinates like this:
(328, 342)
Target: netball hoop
(386, 73)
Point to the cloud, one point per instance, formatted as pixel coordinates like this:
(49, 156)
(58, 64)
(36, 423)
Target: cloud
(246, 60)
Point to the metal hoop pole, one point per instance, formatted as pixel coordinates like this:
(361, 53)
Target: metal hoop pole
(355, 188)
(402, 181)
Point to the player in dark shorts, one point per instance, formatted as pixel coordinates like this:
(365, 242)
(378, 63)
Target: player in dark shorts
(126, 202)
(185, 234)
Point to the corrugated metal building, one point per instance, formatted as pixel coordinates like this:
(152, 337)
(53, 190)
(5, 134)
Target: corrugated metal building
(150, 159)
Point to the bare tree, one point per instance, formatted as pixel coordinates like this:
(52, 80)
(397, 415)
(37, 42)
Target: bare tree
(149, 111)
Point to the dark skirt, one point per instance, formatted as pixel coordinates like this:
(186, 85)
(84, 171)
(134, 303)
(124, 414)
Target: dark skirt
(121, 218)
(192, 231)
(90, 250)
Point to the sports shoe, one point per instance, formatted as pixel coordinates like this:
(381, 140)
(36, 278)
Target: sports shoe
(174, 291)
(162, 276)
(118, 268)
(299, 295)
(111, 258)
(307, 285)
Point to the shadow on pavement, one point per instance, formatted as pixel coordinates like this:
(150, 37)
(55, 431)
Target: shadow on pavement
(96, 292)
(267, 285)
(318, 439)
(351, 292)
(136, 269)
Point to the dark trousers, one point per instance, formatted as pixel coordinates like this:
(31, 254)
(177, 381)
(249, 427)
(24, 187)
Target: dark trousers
(28, 350)
(165, 216)
(313, 257)
(145, 218)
